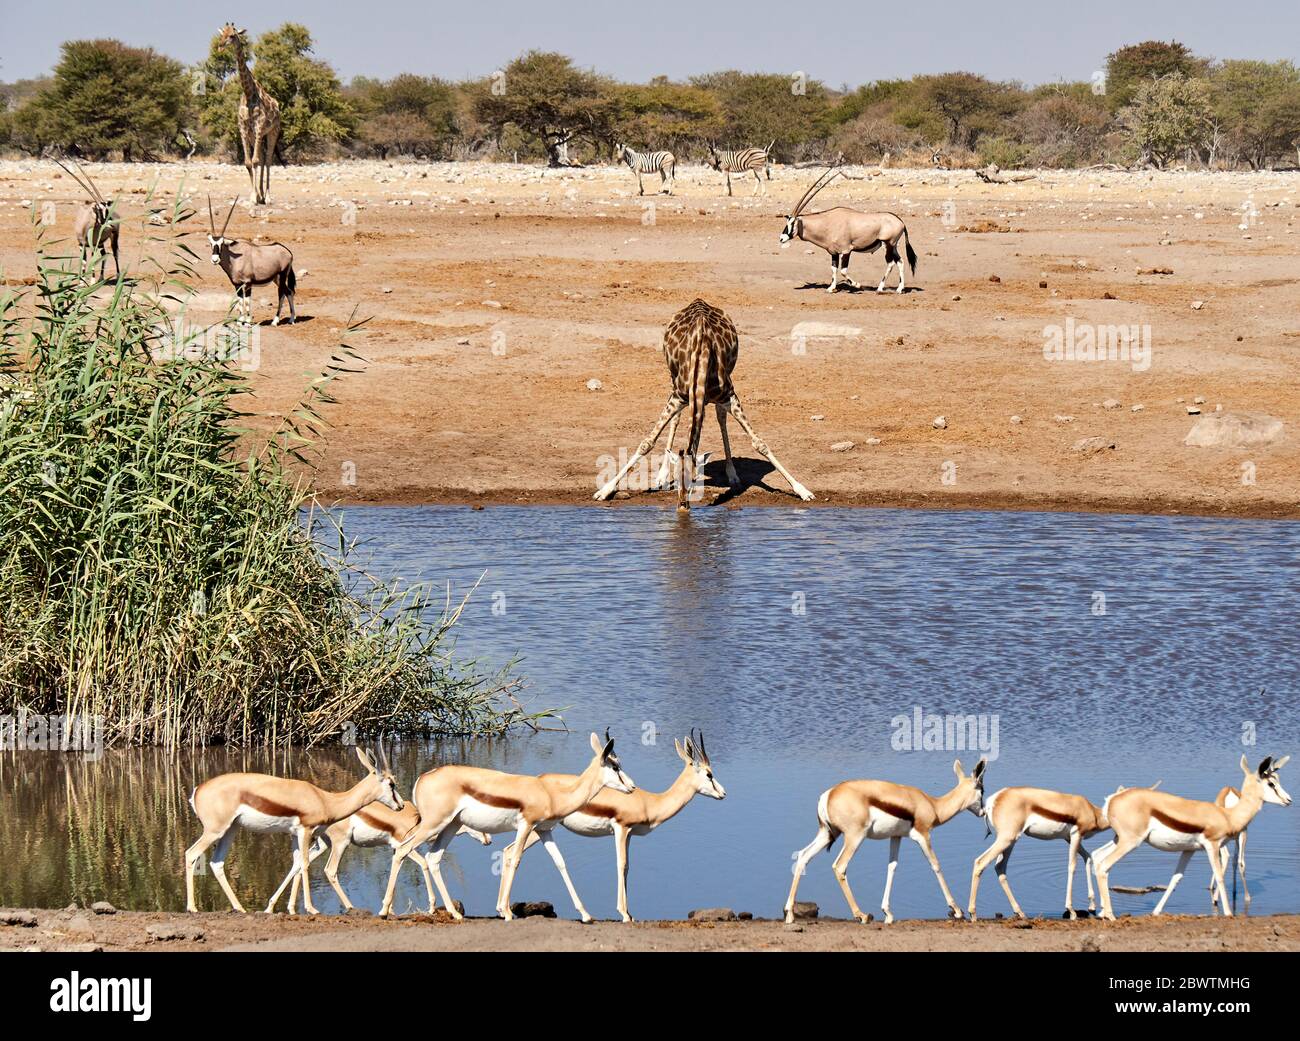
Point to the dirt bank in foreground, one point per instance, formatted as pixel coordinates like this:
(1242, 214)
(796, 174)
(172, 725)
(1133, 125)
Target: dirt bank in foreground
(160, 931)
(499, 293)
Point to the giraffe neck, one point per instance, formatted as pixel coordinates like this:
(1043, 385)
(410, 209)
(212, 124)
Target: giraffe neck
(246, 80)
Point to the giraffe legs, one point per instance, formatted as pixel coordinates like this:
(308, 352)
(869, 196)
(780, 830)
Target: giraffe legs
(760, 446)
(733, 479)
(671, 410)
(666, 466)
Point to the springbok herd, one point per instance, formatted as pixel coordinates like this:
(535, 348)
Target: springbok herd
(456, 799)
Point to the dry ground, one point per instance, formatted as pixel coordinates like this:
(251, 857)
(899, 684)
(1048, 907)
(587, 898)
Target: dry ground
(130, 931)
(498, 292)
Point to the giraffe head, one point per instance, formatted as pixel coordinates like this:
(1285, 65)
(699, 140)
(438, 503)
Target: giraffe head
(229, 35)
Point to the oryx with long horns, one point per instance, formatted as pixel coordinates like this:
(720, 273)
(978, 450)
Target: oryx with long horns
(843, 231)
(94, 223)
(248, 265)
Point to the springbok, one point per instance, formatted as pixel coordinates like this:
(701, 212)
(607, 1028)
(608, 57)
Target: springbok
(260, 802)
(371, 826)
(1041, 814)
(622, 815)
(248, 265)
(94, 223)
(492, 801)
(843, 231)
(1177, 825)
(883, 810)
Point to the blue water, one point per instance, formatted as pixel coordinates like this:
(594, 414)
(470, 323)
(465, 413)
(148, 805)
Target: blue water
(1105, 650)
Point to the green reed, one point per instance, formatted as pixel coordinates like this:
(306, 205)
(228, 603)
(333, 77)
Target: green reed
(164, 567)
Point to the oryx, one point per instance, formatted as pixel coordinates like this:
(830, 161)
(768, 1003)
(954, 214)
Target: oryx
(248, 265)
(94, 223)
(842, 231)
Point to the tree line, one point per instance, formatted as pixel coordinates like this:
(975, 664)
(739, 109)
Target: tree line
(1154, 104)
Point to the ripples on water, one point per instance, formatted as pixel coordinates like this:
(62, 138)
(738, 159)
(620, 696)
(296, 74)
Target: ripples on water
(792, 637)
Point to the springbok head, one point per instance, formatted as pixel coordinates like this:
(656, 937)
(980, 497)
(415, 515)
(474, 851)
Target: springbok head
(381, 776)
(1265, 776)
(694, 756)
(972, 785)
(792, 221)
(218, 241)
(611, 770)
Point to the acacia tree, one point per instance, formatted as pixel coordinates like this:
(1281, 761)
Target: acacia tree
(105, 97)
(1167, 117)
(545, 95)
(1130, 67)
(409, 114)
(1257, 105)
(965, 105)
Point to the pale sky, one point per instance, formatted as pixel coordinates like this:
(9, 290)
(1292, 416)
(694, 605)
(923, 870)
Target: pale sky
(1033, 41)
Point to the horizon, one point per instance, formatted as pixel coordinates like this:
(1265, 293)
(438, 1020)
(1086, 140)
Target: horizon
(484, 39)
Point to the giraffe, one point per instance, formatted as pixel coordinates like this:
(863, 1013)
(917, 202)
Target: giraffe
(259, 117)
(700, 345)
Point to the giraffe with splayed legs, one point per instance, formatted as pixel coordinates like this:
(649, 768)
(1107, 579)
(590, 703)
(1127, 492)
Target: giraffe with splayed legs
(701, 346)
(259, 116)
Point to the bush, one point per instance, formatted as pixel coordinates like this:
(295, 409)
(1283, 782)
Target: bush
(156, 569)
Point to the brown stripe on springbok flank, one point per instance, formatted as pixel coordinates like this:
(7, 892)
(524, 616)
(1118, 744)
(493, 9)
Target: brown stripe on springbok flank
(1051, 815)
(374, 822)
(501, 802)
(1175, 823)
(593, 809)
(892, 809)
(263, 805)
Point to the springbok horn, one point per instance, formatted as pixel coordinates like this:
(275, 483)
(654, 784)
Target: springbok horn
(229, 214)
(704, 752)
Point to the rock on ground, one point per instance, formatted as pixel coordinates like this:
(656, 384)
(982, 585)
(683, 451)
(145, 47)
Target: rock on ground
(1234, 430)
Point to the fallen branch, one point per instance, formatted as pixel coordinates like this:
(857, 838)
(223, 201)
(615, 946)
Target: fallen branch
(991, 175)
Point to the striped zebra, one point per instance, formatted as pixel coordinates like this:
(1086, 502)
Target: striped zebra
(663, 163)
(752, 159)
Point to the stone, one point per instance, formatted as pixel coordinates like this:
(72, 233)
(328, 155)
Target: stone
(103, 907)
(492, 303)
(804, 909)
(817, 418)
(174, 931)
(22, 919)
(1136, 408)
(712, 914)
(940, 423)
(594, 384)
(1110, 403)
(842, 446)
(1016, 420)
(1197, 304)
(873, 440)
(1064, 419)
(1092, 445)
(1234, 430)
(533, 909)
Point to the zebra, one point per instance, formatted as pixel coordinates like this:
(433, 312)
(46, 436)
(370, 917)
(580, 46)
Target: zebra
(752, 159)
(665, 163)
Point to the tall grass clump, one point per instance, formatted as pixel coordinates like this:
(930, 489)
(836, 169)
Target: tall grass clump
(162, 567)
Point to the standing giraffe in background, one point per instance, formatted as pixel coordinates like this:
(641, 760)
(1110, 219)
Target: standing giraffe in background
(259, 117)
(701, 346)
